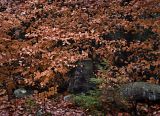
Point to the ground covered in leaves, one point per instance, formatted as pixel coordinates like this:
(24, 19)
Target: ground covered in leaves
(41, 40)
(32, 106)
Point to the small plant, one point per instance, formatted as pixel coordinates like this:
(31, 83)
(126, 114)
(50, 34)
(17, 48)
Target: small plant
(89, 100)
(96, 81)
(103, 65)
(86, 101)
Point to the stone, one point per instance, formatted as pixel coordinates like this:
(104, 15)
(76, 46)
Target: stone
(68, 98)
(80, 80)
(140, 91)
(39, 112)
(19, 93)
(129, 93)
(50, 1)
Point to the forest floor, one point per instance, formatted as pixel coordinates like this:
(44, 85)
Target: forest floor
(41, 40)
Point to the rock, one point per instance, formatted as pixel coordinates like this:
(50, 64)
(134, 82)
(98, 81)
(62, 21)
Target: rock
(140, 91)
(21, 92)
(50, 1)
(39, 113)
(80, 80)
(126, 94)
(68, 98)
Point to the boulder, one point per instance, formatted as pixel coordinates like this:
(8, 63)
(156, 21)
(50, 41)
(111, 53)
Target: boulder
(140, 91)
(80, 80)
(129, 93)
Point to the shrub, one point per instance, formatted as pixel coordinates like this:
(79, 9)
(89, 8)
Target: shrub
(89, 101)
